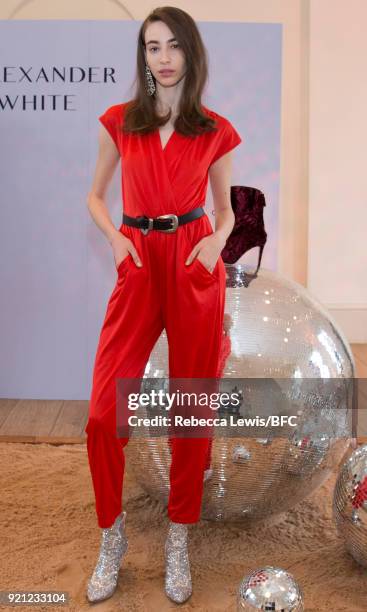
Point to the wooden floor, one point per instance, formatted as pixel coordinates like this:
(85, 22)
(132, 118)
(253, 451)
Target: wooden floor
(63, 422)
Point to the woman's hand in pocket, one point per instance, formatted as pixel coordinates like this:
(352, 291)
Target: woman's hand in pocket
(122, 246)
(209, 248)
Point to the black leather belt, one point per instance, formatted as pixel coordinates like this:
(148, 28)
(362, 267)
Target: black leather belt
(163, 223)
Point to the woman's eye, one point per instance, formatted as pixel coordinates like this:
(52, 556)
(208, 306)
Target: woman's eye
(175, 46)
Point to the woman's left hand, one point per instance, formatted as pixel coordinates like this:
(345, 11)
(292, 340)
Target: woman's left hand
(209, 248)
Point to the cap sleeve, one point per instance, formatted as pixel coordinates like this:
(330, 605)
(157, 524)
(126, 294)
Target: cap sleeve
(226, 139)
(111, 119)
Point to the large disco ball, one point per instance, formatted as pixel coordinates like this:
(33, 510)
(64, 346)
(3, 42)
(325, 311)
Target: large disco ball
(350, 504)
(281, 343)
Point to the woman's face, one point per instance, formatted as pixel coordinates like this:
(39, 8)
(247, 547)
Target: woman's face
(163, 53)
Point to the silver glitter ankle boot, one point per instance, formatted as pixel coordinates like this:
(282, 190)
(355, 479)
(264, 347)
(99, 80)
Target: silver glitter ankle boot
(103, 581)
(178, 578)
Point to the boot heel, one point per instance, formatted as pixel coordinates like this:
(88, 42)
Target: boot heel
(114, 545)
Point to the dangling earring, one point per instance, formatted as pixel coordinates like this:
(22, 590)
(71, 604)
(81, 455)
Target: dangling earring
(150, 86)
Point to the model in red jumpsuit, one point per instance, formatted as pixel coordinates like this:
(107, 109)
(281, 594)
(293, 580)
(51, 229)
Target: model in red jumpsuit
(165, 293)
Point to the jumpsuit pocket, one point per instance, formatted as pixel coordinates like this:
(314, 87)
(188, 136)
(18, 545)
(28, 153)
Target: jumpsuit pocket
(196, 265)
(122, 263)
(204, 269)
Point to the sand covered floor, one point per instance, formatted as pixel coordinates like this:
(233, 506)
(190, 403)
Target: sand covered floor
(50, 541)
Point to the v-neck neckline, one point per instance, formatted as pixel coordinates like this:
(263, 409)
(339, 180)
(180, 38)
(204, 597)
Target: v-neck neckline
(163, 149)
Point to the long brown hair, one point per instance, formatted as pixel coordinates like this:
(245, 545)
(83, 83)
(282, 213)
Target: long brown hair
(140, 115)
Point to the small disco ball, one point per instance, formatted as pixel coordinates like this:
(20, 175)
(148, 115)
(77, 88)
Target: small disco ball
(270, 588)
(350, 504)
(279, 344)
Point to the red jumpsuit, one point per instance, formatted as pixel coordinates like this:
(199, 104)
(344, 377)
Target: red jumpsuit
(188, 301)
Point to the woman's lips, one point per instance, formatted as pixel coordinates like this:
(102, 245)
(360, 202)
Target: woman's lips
(166, 72)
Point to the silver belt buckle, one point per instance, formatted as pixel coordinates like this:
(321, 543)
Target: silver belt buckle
(174, 223)
(150, 226)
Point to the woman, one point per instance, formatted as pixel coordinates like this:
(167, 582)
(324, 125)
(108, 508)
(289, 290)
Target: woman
(169, 272)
